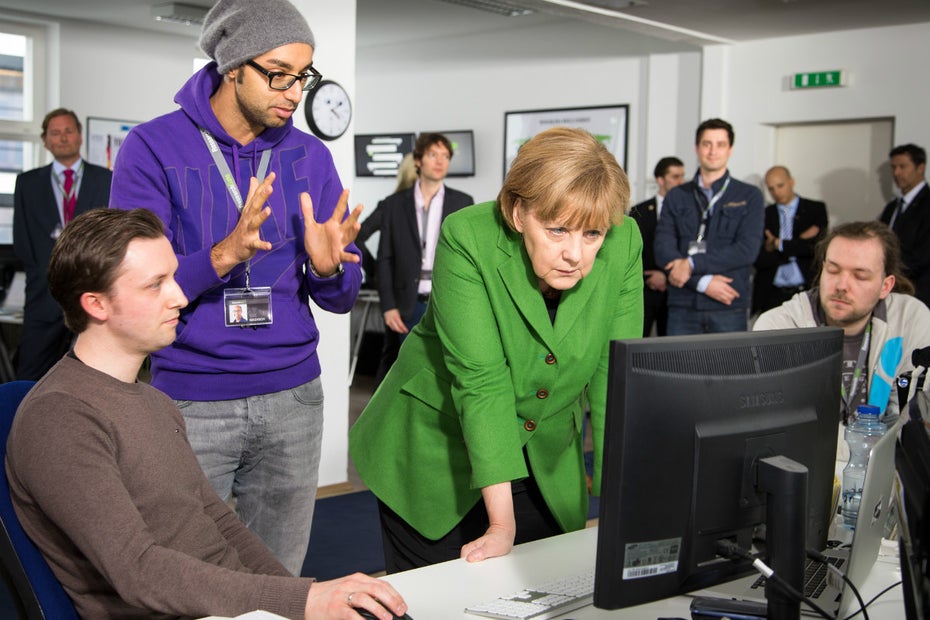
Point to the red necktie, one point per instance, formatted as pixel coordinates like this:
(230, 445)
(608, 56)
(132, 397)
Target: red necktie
(69, 196)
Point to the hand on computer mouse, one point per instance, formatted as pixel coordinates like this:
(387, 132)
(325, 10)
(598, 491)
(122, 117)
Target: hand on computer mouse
(329, 599)
(364, 613)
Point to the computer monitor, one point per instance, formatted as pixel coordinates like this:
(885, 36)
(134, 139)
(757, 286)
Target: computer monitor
(688, 420)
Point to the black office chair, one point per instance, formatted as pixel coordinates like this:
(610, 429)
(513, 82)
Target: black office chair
(36, 591)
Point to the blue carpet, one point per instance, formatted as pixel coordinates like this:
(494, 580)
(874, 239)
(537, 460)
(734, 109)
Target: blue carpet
(345, 537)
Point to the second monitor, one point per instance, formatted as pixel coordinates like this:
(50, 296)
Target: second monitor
(688, 420)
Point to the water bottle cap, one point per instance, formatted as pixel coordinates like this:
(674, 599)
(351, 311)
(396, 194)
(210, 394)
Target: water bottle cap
(868, 410)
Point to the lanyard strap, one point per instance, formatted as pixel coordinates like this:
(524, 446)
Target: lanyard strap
(857, 372)
(230, 181)
(705, 215)
(60, 182)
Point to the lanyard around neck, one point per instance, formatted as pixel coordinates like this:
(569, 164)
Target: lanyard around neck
(861, 362)
(705, 215)
(230, 180)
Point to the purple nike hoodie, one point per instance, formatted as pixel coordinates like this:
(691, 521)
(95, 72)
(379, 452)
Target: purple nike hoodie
(165, 166)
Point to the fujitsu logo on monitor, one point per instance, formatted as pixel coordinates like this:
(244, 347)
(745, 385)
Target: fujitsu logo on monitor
(762, 399)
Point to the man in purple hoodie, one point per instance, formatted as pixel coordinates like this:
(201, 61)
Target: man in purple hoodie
(256, 214)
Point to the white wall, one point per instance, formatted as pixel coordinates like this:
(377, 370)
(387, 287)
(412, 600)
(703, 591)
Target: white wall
(476, 97)
(888, 78)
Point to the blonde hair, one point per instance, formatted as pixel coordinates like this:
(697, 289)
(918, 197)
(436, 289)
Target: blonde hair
(406, 173)
(566, 175)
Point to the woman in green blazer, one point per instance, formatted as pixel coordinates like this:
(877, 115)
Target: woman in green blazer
(473, 442)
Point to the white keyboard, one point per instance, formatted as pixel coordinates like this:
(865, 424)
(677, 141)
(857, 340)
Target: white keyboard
(548, 600)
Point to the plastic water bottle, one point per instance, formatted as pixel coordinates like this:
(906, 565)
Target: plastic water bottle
(861, 435)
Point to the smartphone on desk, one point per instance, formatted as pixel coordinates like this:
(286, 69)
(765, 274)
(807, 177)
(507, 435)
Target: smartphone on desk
(713, 608)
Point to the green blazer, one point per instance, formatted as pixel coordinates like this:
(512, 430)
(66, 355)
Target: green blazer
(486, 373)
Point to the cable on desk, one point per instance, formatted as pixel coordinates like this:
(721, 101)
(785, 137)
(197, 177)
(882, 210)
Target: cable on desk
(819, 557)
(876, 597)
(731, 550)
(769, 574)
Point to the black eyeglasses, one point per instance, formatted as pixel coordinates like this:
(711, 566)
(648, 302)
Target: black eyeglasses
(278, 80)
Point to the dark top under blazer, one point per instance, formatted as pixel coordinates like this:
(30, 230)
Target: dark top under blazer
(35, 220)
(399, 252)
(913, 230)
(809, 213)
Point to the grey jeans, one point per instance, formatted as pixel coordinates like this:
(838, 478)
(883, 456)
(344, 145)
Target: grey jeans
(264, 452)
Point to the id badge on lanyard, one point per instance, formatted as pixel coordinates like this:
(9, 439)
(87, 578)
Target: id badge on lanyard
(249, 306)
(699, 245)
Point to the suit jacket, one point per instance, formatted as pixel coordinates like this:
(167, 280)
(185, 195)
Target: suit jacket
(486, 373)
(399, 251)
(647, 217)
(36, 224)
(809, 213)
(913, 230)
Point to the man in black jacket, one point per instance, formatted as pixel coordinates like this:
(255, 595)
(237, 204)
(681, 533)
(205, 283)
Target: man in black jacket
(793, 226)
(410, 222)
(669, 173)
(909, 215)
(45, 200)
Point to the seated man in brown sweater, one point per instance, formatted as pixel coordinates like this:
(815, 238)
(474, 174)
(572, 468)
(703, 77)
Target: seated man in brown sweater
(100, 470)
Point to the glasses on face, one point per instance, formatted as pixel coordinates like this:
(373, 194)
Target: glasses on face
(278, 80)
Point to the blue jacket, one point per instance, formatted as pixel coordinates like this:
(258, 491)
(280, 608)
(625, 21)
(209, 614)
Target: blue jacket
(733, 237)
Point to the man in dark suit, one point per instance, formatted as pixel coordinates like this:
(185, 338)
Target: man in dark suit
(669, 173)
(793, 226)
(45, 200)
(410, 222)
(909, 215)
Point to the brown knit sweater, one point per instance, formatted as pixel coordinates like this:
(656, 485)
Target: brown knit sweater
(106, 484)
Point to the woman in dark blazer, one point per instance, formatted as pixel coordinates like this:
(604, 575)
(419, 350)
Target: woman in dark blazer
(473, 442)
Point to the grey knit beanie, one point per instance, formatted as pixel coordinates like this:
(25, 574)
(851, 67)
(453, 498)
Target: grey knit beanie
(235, 31)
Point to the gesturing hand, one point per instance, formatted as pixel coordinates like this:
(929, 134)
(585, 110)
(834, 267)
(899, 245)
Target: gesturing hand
(245, 239)
(326, 243)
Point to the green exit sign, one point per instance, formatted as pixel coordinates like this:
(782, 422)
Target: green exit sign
(819, 79)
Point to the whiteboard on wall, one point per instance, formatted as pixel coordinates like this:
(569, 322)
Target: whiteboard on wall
(104, 137)
(607, 123)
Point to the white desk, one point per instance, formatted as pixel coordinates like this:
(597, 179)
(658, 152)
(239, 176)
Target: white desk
(444, 590)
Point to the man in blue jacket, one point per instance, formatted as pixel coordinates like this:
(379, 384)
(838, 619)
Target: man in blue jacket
(251, 395)
(708, 238)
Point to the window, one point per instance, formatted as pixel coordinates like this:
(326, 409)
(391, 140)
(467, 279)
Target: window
(22, 102)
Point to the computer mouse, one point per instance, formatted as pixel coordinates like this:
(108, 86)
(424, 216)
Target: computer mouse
(364, 613)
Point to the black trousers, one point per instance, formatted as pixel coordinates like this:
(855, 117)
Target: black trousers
(406, 548)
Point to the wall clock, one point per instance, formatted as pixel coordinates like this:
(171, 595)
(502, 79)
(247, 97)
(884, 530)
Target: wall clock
(328, 110)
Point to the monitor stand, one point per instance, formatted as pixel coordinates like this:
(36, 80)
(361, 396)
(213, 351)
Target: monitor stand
(784, 482)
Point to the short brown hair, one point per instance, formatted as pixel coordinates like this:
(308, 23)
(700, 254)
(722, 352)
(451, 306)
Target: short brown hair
(88, 254)
(426, 140)
(55, 114)
(862, 231)
(566, 175)
(714, 123)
